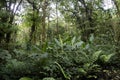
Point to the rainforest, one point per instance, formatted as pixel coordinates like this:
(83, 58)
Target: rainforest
(59, 39)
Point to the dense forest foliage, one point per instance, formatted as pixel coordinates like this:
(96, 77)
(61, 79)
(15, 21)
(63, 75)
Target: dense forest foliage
(59, 40)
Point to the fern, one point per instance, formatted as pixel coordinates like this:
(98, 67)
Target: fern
(96, 55)
(67, 77)
(106, 58)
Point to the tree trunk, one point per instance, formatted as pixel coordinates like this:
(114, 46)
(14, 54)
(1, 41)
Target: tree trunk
(117, 7)
(43, 21)
(88, 12)
(32, 33)
(57, 27)
(117, 28)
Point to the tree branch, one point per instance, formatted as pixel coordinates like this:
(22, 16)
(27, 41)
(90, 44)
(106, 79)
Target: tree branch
(18, 6)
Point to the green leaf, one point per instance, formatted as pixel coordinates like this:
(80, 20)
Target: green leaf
(96, 55)
(25, 78)
(66, 76)
(61, 41)
(91, 38)
(57, 42)
(106, 58)
(48, 78)
(73, 40)
(81, 70)
(86, 66)
(78, 44)
(92, 76)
